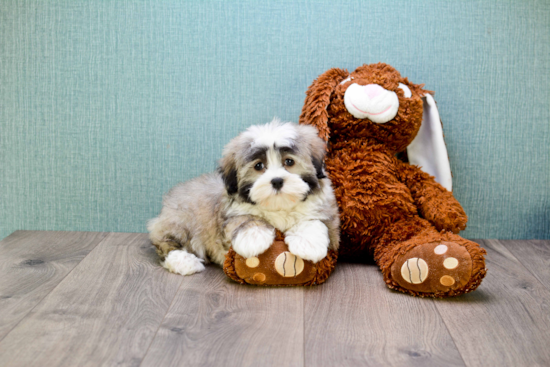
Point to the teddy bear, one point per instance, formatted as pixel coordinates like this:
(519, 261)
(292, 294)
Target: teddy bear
(388, 162)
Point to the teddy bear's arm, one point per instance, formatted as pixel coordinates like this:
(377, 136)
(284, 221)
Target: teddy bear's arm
(434, 202)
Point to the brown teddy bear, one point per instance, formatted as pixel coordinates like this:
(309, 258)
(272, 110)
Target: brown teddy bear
(402, 213)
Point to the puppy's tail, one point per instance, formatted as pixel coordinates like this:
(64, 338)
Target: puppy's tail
(165, 236)
(169, 240)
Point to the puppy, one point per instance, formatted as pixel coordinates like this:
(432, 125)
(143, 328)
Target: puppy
(270, 177)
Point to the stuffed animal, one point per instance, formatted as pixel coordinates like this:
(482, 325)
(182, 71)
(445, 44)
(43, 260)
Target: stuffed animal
(402, 213)
(278, 267)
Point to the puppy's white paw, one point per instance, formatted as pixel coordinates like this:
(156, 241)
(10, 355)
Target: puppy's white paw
(253, 241)
(182, 262)
(308, 240)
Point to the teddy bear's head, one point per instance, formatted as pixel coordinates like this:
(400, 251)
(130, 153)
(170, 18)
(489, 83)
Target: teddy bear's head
(373, 102)
(377, 105)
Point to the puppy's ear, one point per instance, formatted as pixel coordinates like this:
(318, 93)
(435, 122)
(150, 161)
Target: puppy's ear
(317, 100)
(317, 148)
(228, 171)
(319, 167)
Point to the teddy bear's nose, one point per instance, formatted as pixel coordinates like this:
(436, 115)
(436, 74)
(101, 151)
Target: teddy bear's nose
(372, 90)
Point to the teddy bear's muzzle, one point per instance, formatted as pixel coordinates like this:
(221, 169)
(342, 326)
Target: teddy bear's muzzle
(371, 101)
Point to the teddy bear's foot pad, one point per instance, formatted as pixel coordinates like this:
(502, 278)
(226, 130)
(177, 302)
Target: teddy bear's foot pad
(433, 268)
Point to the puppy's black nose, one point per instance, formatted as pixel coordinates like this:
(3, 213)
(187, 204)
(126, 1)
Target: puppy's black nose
(277, 183)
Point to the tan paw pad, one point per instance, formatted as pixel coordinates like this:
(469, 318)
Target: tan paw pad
(447, 281)
(414, 270)
(252, 262)
(450, 263)
(289, 265)
(259, 277)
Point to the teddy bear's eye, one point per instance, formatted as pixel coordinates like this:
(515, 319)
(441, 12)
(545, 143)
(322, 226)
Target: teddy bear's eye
(406, 90)
(346, 80)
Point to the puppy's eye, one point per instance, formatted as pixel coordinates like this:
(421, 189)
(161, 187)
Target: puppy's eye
(406, 90)
(289, 162)
(259, 166)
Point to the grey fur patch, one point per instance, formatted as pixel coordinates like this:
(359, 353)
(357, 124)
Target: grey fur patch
(244, 193)
(319, 167)
(257, 153)
(230, 181)
(312, 182)
(288, 150)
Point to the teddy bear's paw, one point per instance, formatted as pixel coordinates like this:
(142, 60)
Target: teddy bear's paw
(448, 216)
(435, 267)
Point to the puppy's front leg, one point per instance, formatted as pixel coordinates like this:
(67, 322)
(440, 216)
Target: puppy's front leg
(250, 236)
(308, 240)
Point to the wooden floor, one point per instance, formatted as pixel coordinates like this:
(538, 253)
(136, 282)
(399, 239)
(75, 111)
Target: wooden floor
(91, 299)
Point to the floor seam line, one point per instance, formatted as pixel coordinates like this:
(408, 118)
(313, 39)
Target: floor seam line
(449, 331)
(162, 321)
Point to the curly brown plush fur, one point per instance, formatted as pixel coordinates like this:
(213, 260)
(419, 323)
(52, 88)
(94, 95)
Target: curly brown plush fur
(388, 207)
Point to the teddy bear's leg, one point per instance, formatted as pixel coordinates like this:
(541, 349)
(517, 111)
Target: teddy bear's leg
(417, 259)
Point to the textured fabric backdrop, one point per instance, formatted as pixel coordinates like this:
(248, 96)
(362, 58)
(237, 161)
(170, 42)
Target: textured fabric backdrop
(107, 104)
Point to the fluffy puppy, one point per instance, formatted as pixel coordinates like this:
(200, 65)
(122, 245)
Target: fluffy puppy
(270, 177)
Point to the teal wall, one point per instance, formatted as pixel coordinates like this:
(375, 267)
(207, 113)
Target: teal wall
(107, 104)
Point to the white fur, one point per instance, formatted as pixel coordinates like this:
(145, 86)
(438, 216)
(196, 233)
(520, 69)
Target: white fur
(308, 240)
(275, 132)
(293, 191)
(253, 241)
(182, 262)
(283, 220)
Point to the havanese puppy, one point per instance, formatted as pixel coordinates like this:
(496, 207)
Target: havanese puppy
(270, 177)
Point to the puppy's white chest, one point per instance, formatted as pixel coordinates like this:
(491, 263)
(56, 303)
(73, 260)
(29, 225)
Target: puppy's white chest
(284, 220)
(281, 220)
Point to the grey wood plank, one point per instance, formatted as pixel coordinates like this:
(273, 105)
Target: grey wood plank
(355, 320)
(105, 312)
(214, 321)
(534, 255)
(32, 263)
(506, 321)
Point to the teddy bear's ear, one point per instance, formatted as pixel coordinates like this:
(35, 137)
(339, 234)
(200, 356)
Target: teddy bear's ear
(317, 100)
(428, 150)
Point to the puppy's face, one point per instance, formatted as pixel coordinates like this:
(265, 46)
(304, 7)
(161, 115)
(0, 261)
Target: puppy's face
(274, 166)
